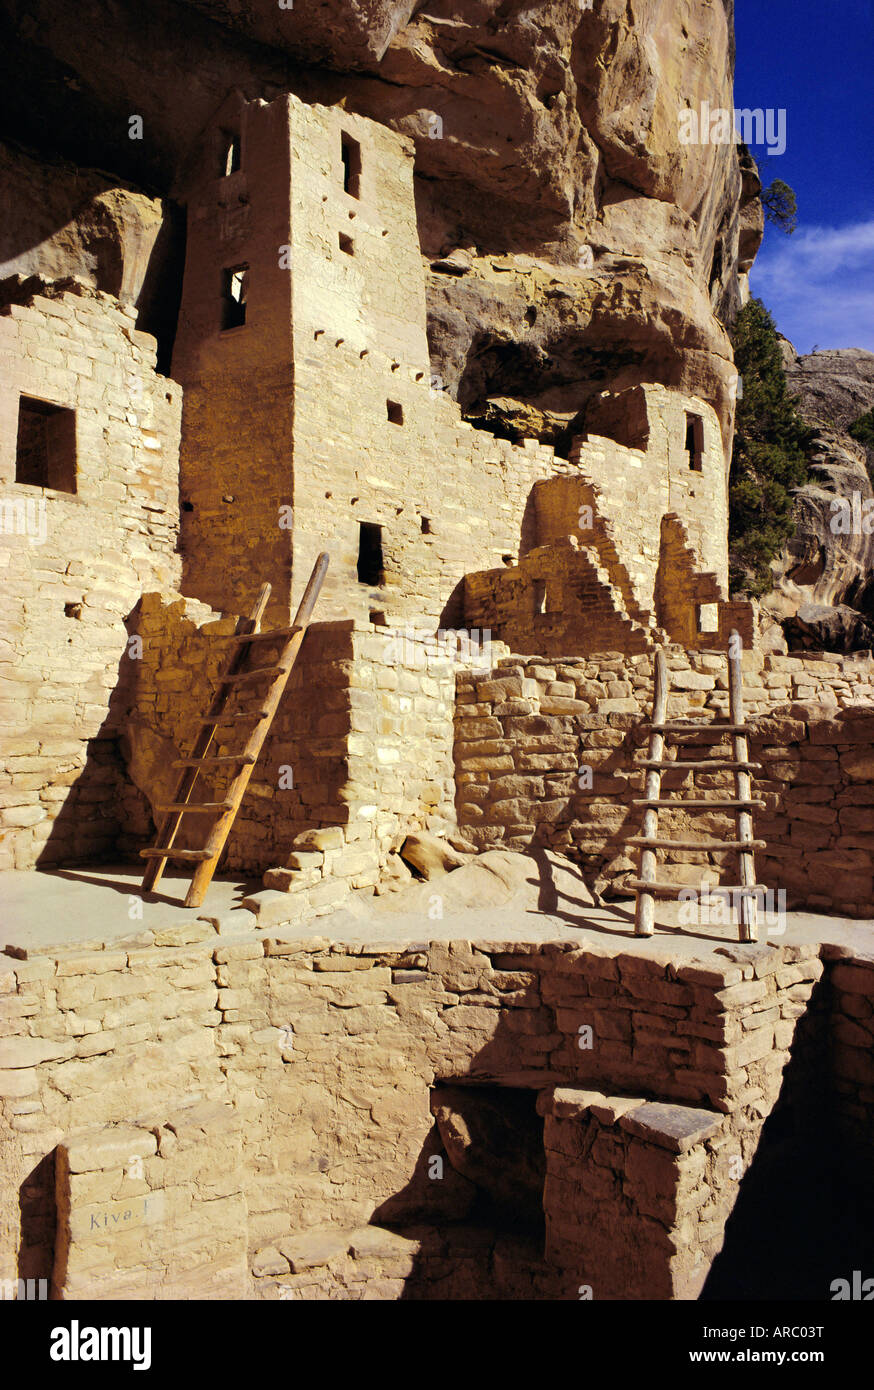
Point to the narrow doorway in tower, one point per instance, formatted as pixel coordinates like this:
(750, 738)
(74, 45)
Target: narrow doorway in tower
(350, 153)
(370, 559)
(235, 289)
(695, 442)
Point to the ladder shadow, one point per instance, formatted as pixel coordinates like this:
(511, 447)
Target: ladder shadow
(586, 915)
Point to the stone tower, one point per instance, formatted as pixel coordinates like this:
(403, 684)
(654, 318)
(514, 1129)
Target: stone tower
(302, 263)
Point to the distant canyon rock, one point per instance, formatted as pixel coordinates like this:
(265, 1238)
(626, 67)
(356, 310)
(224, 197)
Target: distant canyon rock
(823, 595)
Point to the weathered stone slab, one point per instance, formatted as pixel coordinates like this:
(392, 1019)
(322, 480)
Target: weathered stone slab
(673, 1127)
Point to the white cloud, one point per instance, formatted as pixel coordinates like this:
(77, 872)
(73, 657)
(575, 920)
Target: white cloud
(819, 285)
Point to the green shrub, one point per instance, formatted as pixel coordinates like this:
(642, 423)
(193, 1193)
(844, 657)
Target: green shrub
(769, 459)
(863, 429)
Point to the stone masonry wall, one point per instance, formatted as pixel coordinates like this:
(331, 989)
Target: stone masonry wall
(646, 474)
(851, 977)
(327, 1055)
(288, 444)
(449, 498)
(152, 1213)
(361, 745)
(527, 733)
(636, 1195)
(558, 598)
(74, 564)
(235, 467)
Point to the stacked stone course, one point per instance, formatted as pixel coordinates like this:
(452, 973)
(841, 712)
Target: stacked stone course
(66, 595)
(527, 732)
(315, 1062)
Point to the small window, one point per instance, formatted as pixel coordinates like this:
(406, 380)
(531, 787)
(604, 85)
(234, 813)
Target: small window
(426, 526)
(370, 562)
(350, 153)
(45, 454)
(347, 244)
(395, 412)
(234, 294)
(707, 617)
(695, 442)
(540, 596)
(230, 156)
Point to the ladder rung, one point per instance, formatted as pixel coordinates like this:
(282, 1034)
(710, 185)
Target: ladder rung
(741, 845)
(223, 760)
(196, 856)
(219, 719)
(706, 890)
(255, 671)
(265, 701)
(676, 805)
(276, 632)
(714, 764)
(686, 728)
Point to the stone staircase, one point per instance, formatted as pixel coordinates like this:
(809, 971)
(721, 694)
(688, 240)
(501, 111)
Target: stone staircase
(559, 600)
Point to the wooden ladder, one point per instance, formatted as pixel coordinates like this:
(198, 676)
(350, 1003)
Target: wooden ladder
(239, 674)
(647, 887)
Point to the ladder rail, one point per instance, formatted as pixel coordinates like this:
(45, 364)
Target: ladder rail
(236, 670)
(647, 886)
(644, 912)
(743, 784)
(171, 822)
(235, 792)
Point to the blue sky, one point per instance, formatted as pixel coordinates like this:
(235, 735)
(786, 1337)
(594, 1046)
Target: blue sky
(815, 58)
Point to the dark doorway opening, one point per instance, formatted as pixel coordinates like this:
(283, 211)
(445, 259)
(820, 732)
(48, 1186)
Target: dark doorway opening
(371, 569)
(350, 153)
(695, 442)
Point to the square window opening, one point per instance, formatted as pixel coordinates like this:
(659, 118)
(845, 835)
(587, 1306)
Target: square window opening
(395, 412)
(347, 245)
(350, 153)
(707, 617)
(695, 442)
(235, 290)
(45, 454)
(371, 568)
(230, 153)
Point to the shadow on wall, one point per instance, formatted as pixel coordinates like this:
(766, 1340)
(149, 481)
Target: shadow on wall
(453, 615)
(36, 1200)
(475, 1200)
(301, 771)
(805, 1211)
(102, 803)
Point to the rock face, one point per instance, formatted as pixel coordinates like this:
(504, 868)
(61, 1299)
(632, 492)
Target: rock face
(573, 243)
(834, 387)
(352, 35)
(823, 593)
(71, 222)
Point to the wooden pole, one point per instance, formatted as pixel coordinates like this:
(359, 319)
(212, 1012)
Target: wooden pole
(203, 874)
(743, 783)
(644, 917)
(170, 824)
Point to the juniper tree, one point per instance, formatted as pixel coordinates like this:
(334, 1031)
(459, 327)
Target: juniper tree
(769, 459)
